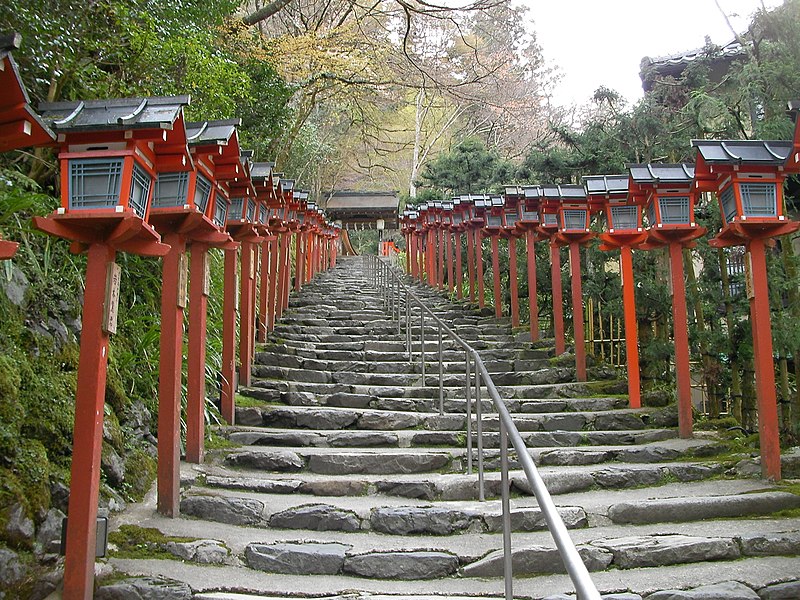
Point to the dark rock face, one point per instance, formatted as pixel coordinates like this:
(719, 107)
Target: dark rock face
(402, 565)
(145, 588)
(316, 517)
(297, 559)
(233, 511)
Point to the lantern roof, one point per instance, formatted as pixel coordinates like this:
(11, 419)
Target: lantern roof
(22, 126)
(211, 132)
(533, 191)
(287, 184)
(497, 201)
(606, 186)
(262, 171)
(564, 192)
(735, 152)
(302, 196)
(115, 114)
(655, 173)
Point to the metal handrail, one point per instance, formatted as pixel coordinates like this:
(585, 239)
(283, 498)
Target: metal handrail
(387, 280)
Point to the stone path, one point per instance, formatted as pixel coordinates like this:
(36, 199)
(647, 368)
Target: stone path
(343, 480)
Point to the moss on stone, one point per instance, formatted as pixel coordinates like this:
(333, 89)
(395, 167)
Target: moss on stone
(140, 472)
(132, 541)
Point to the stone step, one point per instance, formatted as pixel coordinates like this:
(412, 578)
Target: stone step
(334, 418)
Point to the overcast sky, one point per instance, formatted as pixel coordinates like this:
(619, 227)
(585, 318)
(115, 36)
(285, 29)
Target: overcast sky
(601, 42)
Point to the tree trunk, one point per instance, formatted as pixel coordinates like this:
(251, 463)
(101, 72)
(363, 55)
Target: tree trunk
(415, 160)
(265, 12)
(790, 268)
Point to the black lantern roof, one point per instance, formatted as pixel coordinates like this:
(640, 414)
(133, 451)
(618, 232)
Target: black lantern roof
(287, 185)
(533, 191)
(606, 185)
(211, 132)
(744, 151)
(655, 173)
(496, 201)
(122, 113)
(564, 192)
(262, 171)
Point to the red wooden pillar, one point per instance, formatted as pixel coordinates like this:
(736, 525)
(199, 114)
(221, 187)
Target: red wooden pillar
(577, 311)
(533, 299)
(299, 260)
(228, 398)
(421, 257)
(246, 313)
(440, 275)
(170, 360)
(88, 432)
(196, 368)
(459, 272)
(273, 281)
(512, 280)
(479, 265)
(631, 326)
(411, 254)
(281, 271)
(287, 274)
(558, 298)
(449, 260)
(471, 263)
(263, 301)
(430, 255)
(681, 336)
(498, 297)
(764, 363)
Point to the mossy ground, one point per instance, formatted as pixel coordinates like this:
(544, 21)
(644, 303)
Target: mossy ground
(132, 541)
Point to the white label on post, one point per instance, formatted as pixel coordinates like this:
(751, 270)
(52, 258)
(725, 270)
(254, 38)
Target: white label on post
(111, 304)
(748, 276)
(183, 281)
(206, 276)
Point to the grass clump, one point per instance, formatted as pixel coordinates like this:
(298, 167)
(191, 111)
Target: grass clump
(132, 541)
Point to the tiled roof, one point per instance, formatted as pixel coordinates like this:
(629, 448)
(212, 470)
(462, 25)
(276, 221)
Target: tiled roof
(211, 132)
(349, 200)
(748, 151)
(122, 113)
(605, 184)
(662, 173)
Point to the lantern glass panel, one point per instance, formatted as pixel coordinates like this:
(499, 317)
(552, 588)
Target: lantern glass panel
(574, 219)
(263, 214)
(235, 209)
(674, 210)
(202, 192)
(625, 217)
(728, 201)
(171, 189)
(140, 190)
(301, 217)
(494, 220)
(551, 219)
(511, 218)
(94, 182)
(531, 216)
(457, 219)
(220, 211)
(251, 210)
(759, 199)
(651, 214)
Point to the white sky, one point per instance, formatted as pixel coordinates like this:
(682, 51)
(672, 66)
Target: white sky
(601, 42)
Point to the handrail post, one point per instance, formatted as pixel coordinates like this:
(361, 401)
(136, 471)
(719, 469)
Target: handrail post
(422, 343)
(441, 375)
(409, 349)
(467, 389)
(479, 426)
(506, 503)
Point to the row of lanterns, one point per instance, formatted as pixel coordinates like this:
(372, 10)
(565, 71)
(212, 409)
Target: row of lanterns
(135, 177)
(650, 206)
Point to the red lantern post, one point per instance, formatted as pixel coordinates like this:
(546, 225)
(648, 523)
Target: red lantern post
(20, 126)
(447, 231)
(548, 228)
(492, 227)
(110, 153)
(528, 201)
(748, 178)
(511, 233)
(480, 204)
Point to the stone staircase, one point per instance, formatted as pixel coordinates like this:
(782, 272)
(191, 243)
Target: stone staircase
(342, 479)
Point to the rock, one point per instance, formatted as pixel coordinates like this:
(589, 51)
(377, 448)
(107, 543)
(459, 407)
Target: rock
(233, 511)
(19, 528)
(532, 519)
(379, 464)
(781, 591)
(388, 421)
(336, 487)
(362, 439)
(661, 550)
(48, 538)
(16, 288)
(679, 510)
(282, 438)
(293, 398)
(573, 457)
(536, 559)
(620, 477)
(423, 490)
(207, 552)
(297, 559)
(648, 454)
(144, 588)
(404, 520)
(46, 585)
(664, 417)
(790, 465)
(770, 544)
(729, 590)
(402, 565)
(276, 460)
(249, 415)
(347, 400)
(658, 398)
(59, 495)
(316, 517)
(267, 486)
(12, 569)
(556, 482)
(618, 422)
(326, 419)
(693, 472)
(113, 466)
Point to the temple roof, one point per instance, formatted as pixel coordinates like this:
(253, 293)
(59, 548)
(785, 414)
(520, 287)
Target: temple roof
(603, 185)
(662, 173)
(743, 151)
(121, 113)
(357, 207)
(211, 132)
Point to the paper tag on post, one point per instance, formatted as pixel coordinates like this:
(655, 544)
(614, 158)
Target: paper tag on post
(183, 281)
(111, 303)
(748, 276)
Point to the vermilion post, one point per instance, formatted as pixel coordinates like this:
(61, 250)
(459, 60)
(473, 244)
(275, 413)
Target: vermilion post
(631, 327)
(299, 260)
(284, 254)
(430, 255)
(449, 261)
(498, 297)
(512, 280)
(471, 263)
(228, 398)
(440, 276)
(558, 298)
(170, 360)
(577, 311)
(479, 261)
(246, 313)
(263, 301)
(422, 257)
(196, 368)
(533, 300)
(88, 432)
(459, 272)
(764, 363)
(681, 336)
(273, 282)
(288, 274)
